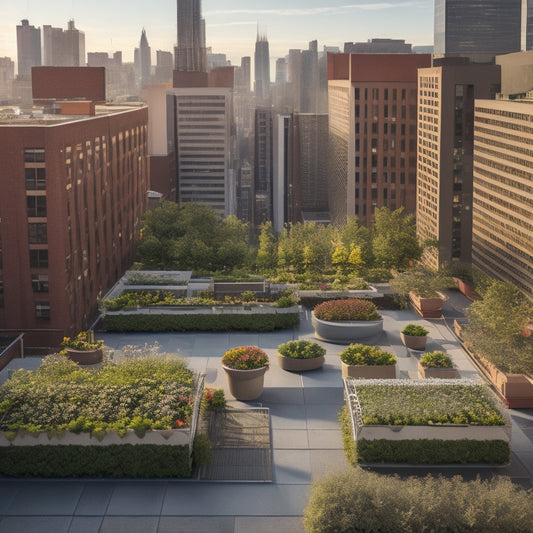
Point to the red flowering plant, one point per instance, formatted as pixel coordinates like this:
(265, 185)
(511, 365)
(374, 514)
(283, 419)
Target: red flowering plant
(346, 310)
(245, 358)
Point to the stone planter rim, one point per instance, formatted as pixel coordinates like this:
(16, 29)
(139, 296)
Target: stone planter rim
(299, 364)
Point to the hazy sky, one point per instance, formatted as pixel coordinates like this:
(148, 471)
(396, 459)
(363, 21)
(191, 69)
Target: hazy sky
(231, 25)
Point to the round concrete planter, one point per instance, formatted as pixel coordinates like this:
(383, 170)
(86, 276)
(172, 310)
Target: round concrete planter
(345, 332)
(414, 342)
(368, 371)
(85, 357)
(299, 365)
(245, 384)
(434, 372)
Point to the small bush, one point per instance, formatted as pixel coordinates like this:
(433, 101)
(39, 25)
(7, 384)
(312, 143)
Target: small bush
(201, 451)
(345, 310)
(361, 354)
(245, 358)
(436, 360)
(283, 302)
(214, 400)
(248, 296)
(415, 330)
(366, 501)
(301, 349)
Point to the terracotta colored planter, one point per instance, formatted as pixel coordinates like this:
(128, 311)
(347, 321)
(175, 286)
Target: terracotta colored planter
(442, 373)
(85, 357)
(300, 365)
(414, 342)
(368, 371)
(345, 332)
(245, 384)
(427, 307)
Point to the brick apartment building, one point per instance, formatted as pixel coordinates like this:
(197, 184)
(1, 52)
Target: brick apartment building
(73, 190)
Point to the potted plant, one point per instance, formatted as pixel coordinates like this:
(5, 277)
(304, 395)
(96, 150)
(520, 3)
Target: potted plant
(414, 336)
(363, 361)
(245, 368)
(83, 349)
(437, 365)
(300, 355)
(345, 320)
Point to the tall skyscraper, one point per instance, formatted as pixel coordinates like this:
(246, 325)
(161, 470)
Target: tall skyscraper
(143, 59)
(446, 96)
(190, 53)
(263, 170)
(262, 67)
(373, 133)
(477, 29)
(28, 48)
(63, 48)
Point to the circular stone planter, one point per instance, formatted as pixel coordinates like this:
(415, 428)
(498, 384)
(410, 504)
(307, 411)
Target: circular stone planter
(85, 357)
(344, 332)
(368, 371)
(299, 365)
(414, 342)
(245, 384)
(434, 372)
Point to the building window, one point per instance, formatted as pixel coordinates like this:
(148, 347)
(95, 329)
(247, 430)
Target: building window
(34, 155)
(37, 233)
(39, 258)
(42, 310)
(39, 282)
(36, 206)
(35, 179)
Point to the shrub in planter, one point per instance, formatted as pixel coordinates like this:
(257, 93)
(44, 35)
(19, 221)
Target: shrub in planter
(415, 330)
(347, 310)
(414, 336)
(245, 368)
(437, 365)
(363, 361)
(300, 355)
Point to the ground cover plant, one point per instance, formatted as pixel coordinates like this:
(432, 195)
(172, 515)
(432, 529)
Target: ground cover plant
(366, 501)
(346, 310)
(427, 404)
(436, 360)
(138, 394)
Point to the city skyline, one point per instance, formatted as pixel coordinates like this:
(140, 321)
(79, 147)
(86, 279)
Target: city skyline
(231, 30)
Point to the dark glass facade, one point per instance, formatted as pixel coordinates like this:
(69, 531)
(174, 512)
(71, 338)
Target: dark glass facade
(478, 29)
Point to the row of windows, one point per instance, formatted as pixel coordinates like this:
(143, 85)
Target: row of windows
(374, 93)
(526, 117)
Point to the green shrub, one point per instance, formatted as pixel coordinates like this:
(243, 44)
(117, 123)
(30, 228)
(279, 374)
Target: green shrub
(115, 461)
(350, 309)
(436, 360)
(283, 302)
(201, 452)
(366, 501)
(361, 354)
(248, 296)
(301, 349)
(213, 400)
(211, 322)
(415, 330)
(347, 436)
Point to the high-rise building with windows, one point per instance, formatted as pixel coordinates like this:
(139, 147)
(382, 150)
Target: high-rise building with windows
(446, 97)
(477, 29)
(143, 60)
(372, 133)
(262, 67)
(28, 48)
(63, 48)
(74, 190)
(502, 224)
(190, 55)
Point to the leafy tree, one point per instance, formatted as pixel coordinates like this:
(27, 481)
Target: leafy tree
(422, 281)
(355, 259)
(394, 240)
(496, 325)
(267, 253)
(340, 258)
(355, 235)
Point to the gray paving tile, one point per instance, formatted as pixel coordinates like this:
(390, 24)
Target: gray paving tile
(85, 524)
(328, 376)
(137, 498)
(196, 524)
(290, 439)
(243, 339)
(241, 499)
(94, 499)
(269, 524)
(35, 524)
(324, 395)
(129, 524)
(323, 416)
(322, 439)
(325, 462)
(291, 466)
(8, 492)
(46, 498)
(287, 416)
(282, 395)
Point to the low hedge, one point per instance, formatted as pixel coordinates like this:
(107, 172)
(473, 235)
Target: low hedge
(198, 322)
(366, 501)
(114, 461)
(383, 303)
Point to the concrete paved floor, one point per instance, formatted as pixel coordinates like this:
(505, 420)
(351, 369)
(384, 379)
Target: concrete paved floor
(306, 444)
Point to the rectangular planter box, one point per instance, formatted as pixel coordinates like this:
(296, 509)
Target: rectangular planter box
(427, 307)
(442, 373)
(368, 371)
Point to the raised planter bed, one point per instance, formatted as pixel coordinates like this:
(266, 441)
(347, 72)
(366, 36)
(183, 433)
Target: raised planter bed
(440, 373)
(414, 342)
(368, 371)
(345, 332)
(427, 307)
